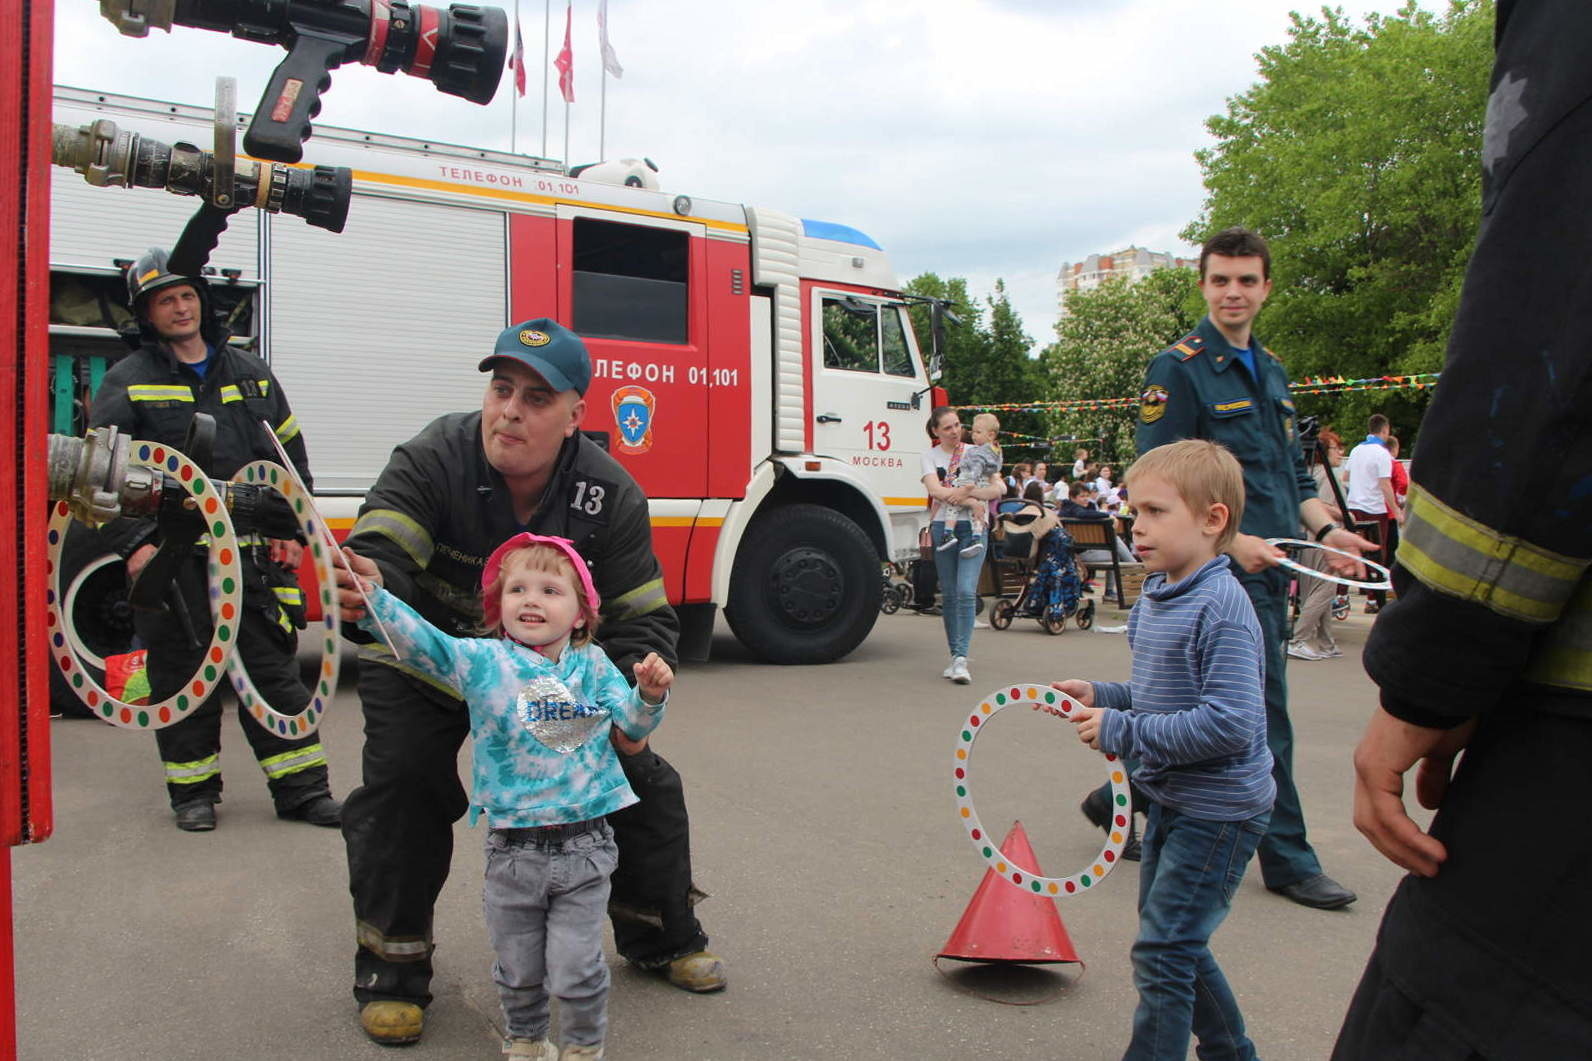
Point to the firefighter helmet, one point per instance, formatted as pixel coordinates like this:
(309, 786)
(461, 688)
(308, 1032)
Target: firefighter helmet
(151, 273)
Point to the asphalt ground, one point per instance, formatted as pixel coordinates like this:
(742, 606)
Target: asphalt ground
(824, 826)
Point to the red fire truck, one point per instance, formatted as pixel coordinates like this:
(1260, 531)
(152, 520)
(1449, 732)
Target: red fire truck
(756, 372)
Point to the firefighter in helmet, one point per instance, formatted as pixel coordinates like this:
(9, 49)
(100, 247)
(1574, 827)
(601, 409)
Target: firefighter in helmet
(182, 365)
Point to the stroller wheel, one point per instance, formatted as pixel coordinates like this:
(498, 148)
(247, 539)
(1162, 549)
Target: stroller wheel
(890, 600)
(1085, 617)
(1340, 607)
(1001, 617)
(1054, 626)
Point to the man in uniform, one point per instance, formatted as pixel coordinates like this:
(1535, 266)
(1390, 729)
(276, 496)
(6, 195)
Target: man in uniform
(1488, 648)
(1219, 383)
(445, 501)
(182, 367)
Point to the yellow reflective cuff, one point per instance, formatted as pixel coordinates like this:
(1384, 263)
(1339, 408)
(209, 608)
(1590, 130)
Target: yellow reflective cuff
(1455, 555)
(1564, 655)
(288, 594)
(410, 536)
(193, 772)
(645, 598)
(159, 392)
(391, 948)
(287, 430)
(278, 766)
(230, 393)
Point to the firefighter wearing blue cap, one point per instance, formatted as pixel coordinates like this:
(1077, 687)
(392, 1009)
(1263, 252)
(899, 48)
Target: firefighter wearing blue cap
(447, 498)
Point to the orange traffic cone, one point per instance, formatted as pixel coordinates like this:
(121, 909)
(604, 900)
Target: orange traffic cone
(1005, 923)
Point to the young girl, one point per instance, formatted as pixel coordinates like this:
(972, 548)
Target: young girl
(541, 697)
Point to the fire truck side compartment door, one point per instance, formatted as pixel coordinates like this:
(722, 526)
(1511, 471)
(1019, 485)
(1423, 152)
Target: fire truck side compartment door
(633, 288)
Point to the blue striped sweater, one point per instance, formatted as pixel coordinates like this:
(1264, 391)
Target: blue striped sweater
(1194, 714)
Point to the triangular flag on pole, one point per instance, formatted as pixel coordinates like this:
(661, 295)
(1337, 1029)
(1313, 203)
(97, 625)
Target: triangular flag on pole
(610, 60)
(517, 60)
(566, 59)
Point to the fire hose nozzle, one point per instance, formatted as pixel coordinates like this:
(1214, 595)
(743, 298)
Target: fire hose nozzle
(92, 476)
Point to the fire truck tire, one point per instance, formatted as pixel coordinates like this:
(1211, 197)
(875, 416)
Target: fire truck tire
(806, 586)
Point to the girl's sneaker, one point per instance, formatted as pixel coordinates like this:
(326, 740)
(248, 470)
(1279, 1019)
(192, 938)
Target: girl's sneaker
(973, 549)
(959, 672)
(530, 1050)
(582, 1053)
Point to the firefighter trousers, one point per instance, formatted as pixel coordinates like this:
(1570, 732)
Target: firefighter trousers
(398, 828)
(190, 750)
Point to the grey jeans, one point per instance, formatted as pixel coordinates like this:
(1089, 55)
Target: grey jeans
(546, 901)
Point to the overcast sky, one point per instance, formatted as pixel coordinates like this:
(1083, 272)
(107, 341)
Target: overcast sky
(976, 138)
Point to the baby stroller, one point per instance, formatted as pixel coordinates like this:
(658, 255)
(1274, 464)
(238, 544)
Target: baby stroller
(1037, 577)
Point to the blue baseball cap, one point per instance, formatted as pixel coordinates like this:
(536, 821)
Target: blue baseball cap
(550, 348)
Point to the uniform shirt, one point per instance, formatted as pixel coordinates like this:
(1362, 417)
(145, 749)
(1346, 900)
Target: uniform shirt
(1194, 712)
(1197, 389)
(540, 757)
(152, 396)
(1368, 464)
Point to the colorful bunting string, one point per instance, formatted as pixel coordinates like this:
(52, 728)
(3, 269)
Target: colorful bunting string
(1309, 385)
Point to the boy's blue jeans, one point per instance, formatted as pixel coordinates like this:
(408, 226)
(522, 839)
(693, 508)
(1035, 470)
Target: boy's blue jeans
(958, 584)
(1190, 870)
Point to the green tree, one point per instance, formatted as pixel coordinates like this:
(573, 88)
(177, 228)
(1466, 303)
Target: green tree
(1357, 155)
(986, 355)
(1102, 345)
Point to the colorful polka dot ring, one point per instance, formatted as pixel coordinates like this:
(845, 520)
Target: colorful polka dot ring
(1061, 705)
(305, 721)
(223, 574)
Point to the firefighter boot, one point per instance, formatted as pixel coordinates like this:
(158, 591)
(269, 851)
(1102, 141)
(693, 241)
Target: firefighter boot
(198, 816)
(699, 973)
(392, 1023)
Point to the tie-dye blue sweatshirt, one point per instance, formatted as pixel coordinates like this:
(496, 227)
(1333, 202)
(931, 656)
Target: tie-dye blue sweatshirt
(542, 752)
(1194, 713)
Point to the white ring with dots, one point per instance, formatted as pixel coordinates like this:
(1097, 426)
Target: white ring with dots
(223, 574)
(1050, 701)
(269, 474)
(1384, 582)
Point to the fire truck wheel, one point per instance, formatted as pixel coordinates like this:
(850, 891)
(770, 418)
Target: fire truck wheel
(806, 586)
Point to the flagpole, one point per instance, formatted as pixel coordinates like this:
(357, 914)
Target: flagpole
(602, 121)
(547, 34)
(566, 137)
(514, 112)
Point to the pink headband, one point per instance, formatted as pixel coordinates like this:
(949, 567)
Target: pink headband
(494, 563)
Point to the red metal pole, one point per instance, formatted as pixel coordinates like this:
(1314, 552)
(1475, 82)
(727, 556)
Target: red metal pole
(25, 811)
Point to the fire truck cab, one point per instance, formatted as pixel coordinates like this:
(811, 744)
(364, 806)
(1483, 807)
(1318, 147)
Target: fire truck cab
(757, 373)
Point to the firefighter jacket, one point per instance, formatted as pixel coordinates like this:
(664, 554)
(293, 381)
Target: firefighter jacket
(1196, 388)
(1494, 609)
(151, 396)
(439, 509)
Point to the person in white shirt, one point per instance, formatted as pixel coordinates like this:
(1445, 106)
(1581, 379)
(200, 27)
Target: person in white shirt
(1104, 483)
(1080, 461)
(1368, 474)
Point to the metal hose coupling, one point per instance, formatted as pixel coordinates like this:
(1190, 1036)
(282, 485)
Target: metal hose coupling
(92, 476)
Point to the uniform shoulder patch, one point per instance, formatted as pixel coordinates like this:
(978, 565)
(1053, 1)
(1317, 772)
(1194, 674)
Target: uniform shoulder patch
(1152, 403)
(1189, 346)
